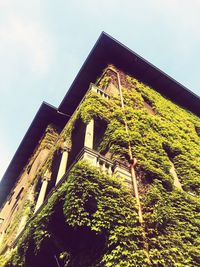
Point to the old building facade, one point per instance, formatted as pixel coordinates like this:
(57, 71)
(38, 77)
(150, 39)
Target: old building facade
(110, 177)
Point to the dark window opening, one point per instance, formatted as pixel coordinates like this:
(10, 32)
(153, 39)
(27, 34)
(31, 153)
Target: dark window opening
(37, 187)
(77, 139)
(91, 205)
(10, 197)
(197, 129)
(18, 195)
(54, 169)
(99, 131)
(29, 169)
(148, 106)
(171, 152)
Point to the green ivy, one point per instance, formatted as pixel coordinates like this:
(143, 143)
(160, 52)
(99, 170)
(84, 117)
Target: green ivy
(101, 206)
(99, 202)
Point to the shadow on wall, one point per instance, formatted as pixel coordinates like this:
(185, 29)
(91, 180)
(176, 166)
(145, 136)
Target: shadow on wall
(66, 246)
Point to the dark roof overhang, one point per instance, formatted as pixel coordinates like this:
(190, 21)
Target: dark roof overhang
(46, 115)
(109, 51)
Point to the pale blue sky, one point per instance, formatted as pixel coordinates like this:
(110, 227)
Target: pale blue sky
(44, 43)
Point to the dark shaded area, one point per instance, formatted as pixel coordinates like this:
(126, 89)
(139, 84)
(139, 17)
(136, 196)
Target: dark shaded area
(171, 152)
(78, 138)
(148, 176)
(37, 187)
(91, 205)
(197, 129)
(46, 257)
(55, 166)
(99, 130)
(83, 247)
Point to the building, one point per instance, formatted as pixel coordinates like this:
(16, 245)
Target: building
(112, 176)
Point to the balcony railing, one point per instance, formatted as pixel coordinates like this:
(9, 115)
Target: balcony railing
(104, 164)
(99, 91)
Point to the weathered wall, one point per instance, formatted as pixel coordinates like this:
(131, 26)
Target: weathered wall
(21, 200)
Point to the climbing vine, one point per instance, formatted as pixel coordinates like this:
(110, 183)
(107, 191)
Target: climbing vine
(93, 202)
(99, 214)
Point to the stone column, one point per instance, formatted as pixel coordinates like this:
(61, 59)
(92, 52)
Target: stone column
(174, 174)
(63, 162)
(109, 170)
(103, 168)
(43, 190)
(89, 134)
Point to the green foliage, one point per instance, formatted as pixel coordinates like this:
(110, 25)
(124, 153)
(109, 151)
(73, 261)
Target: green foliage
(115, 214)
(173, 227)
(94, 200)
(101, 206)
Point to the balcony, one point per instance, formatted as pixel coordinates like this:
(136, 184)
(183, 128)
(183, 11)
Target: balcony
(99, 91)
(104, 164)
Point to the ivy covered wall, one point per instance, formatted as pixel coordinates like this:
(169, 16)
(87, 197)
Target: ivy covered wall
(20, 203)
(91, 220)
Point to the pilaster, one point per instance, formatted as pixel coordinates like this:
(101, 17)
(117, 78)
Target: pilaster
(43, 190)
(89, 134)
(63, 162)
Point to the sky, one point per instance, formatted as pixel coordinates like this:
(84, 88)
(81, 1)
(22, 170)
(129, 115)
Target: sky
(43, 44)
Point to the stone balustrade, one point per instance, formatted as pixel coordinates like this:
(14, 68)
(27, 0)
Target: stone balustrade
(99, 91)
(104, 164)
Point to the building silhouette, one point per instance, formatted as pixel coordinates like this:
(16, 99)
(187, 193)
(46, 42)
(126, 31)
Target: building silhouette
(112, 176)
